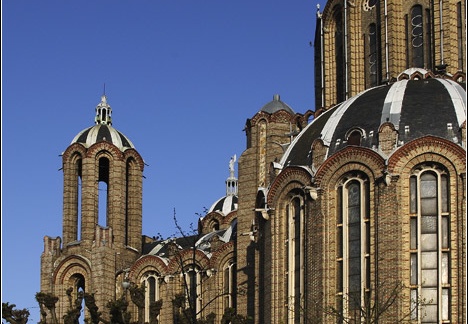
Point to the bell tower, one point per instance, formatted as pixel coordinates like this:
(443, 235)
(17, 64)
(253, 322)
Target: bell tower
(102, 215)
(269, 132)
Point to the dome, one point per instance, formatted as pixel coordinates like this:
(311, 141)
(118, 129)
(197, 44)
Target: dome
(415, 108)
(276, 105)
(225, 204)
(103, 130)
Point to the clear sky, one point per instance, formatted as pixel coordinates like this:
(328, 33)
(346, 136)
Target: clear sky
(181, 76)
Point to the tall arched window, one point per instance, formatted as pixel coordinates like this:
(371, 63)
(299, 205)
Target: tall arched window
(295, 261)
(417, 36)
(79, 171)
(151, 283)
(192, 289)
(430, 244)
(229, 285)
(78, 284)
(353, 244)
(373, 56)
(103, 184)
(461, 56)
(339, 55)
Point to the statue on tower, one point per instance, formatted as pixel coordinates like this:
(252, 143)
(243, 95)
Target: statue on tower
(231, 165)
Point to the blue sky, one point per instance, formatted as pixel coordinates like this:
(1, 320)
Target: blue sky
(181, 76)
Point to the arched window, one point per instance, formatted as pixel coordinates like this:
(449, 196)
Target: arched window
(461, 56)
(77, 283)
(353, 244)
(430, 244)
(295, 261)
(214, 225)
(103, 184)
(151, 283)
(339, 55)
(229, 285)
(373, 56)
(79, 171)
(192, 289)
(417, 39)
(354, 138)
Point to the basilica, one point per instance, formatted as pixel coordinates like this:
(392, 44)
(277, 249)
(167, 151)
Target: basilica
(354, 212)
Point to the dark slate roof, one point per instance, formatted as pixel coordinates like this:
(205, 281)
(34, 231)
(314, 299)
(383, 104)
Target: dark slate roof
(416, 108)
(183, 242)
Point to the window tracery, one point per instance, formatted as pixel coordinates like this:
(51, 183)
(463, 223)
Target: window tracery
(353, 244)
(430, 243)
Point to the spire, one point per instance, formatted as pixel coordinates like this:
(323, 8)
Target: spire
(103, 112)
(231, 182)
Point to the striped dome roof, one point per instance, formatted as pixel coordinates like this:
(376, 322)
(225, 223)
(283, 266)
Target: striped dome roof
(416, 108)
(225, 204)
(103, 130)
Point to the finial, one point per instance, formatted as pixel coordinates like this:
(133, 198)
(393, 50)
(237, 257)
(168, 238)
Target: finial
(103, 111)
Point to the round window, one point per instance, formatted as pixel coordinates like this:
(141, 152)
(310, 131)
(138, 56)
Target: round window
(369, 4)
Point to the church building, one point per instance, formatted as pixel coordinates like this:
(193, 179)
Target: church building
(352, 213)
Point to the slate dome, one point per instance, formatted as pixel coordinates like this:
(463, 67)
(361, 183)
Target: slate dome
(276, 105)
(103, 130)
(415, 108)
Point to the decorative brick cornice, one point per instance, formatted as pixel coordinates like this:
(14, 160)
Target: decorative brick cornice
(436, 146)
(279, 116)
(73, 149)
(220, 218)
(288, 175)
(214, 215)
(132, 153)
(367, 158)
(185, 258)
(220, 254)
(105, 146)
(147, 261)
(69, 263)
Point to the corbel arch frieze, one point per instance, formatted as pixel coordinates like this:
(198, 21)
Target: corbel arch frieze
(145, 264)
(428, 149)
(71, 266)
(278, 116)
(282, 116)
(97, 148)
(186, 258)
(222, 255)
(214, 216)
(133, 154)
(290, 178)
(74, 150)
(260, 116)
(350, 159)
